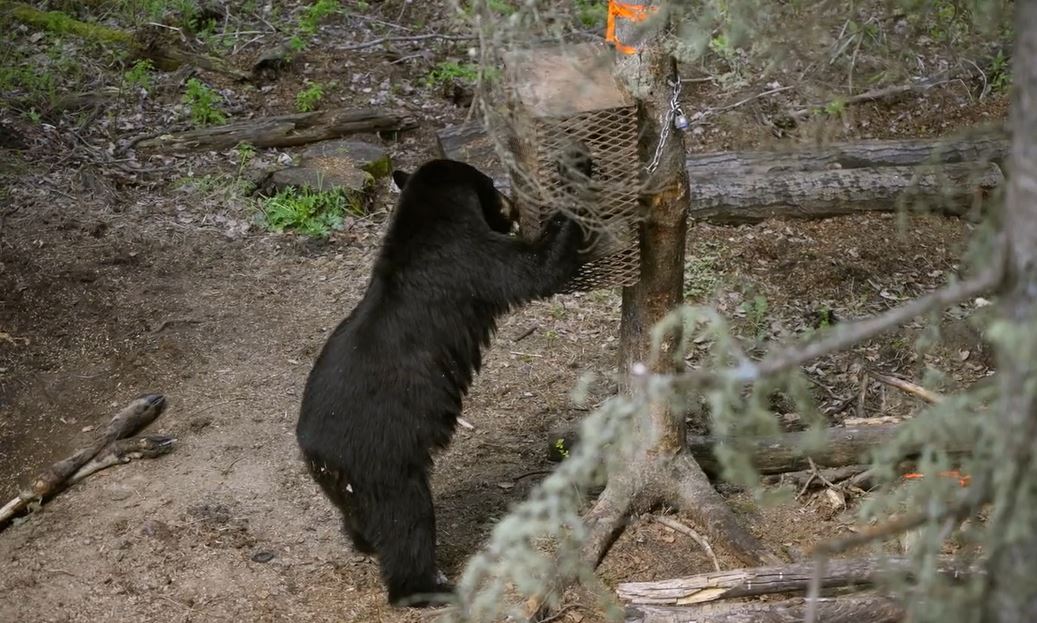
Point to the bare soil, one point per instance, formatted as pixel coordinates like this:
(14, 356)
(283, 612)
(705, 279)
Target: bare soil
(110, 288)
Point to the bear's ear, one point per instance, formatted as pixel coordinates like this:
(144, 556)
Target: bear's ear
(400, 178)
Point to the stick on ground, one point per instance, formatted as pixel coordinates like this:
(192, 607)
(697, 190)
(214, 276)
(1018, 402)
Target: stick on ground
(135, 416)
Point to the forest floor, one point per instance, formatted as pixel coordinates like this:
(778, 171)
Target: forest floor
(113, 284)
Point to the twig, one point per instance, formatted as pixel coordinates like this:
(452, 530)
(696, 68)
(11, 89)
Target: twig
(528, 332)
(715, 111)
(877, 94)
(677, 526)
(376, 42)
(909, 387)
(847, 334)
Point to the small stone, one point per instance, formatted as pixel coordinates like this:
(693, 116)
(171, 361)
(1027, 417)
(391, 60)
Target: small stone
(262, 556)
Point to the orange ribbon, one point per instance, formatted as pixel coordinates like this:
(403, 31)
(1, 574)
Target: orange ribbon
(963, 479)
(629, 12)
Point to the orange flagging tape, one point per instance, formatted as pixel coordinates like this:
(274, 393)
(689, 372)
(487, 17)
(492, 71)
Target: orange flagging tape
(963, 479)
(629, 12)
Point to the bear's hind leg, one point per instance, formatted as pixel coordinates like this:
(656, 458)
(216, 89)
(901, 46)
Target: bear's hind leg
(404, 535)
(334, 484)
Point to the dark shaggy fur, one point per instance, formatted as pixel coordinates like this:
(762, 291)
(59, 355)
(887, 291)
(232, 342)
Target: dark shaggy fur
(386, 390)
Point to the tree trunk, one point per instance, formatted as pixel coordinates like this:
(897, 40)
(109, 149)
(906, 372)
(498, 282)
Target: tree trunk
(648, 74)
(857, 609)
(794, 578)
(1013, 559)
(283, 130)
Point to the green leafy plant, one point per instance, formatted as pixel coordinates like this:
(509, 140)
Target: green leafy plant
(308, 98)
(245, 152)
(591, 13)
(308, 212)
(448, 71)
(139, 76)
(835, 108)
(756, 314)
(202, 101)
(314, 13)
(1000, 73)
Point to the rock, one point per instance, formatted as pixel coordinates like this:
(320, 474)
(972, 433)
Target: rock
(317, 179)
(330, 156)
(262, 556)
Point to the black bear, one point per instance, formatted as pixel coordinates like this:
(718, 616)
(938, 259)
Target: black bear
(386, 390)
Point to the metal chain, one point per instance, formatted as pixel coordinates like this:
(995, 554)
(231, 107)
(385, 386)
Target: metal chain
(667, 121)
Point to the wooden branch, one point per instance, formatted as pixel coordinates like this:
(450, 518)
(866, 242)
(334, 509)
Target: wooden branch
(405, 39)
(856, 609)
(283, 130)
(784, 453)
(947, 189)
(794, 578)
(123, 451)
(135, 416)
(677, 526)
(912, 388)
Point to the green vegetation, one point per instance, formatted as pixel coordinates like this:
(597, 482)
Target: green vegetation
(139, 76)
(1000, 73)
(202, 101)
(448, 71)
(317, 11)
(701, 276)
(756, 314)
(311, 213)
(591, 13)
(308, 98)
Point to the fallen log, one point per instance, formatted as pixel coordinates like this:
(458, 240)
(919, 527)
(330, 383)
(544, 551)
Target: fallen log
(812, 182)
(856, 609)
(151, 43)
(948, 189)
(749, 582)
(989, 145)
(283, 130)
(784, 453)
(132, 418)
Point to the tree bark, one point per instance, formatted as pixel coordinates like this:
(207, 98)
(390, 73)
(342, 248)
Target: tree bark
(664, 229)
(785, 452)
(794, 578)
(1013, 556)
(857, 609)
(985, 145)
(283, 130)
(746, 198)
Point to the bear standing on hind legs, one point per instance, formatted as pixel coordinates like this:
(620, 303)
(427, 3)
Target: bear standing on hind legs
(386, 390)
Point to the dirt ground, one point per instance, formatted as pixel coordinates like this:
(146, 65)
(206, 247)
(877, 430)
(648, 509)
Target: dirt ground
(110, 289)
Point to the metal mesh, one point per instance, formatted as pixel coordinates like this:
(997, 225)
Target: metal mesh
(610, 205)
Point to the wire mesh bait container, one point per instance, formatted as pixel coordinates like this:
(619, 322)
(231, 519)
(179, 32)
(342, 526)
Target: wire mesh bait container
(561, 98)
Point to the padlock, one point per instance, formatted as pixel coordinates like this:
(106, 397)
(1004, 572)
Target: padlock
(680, 121)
